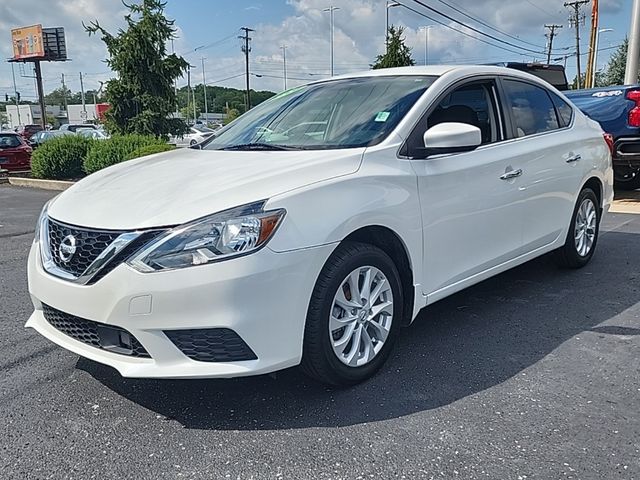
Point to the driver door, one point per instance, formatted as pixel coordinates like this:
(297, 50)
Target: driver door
(470, 201)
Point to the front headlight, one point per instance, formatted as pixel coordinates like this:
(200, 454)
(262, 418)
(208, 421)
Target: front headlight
(223, 235)
(41, 219)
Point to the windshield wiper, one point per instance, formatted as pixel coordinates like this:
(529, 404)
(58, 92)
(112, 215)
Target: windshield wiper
(259, 146)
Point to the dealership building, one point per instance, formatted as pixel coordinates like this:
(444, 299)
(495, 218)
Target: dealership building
(31, 114)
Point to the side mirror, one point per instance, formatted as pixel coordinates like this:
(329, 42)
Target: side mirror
(452, 137)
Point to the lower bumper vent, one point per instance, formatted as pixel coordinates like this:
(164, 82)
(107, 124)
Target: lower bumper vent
(211, 345)
(98, 335)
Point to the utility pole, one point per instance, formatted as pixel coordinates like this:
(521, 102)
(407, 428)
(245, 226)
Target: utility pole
(246, 48)
(84, 103)
(575, 19)
(64, 97)
(189, 93)
(43, 110)
(631, 71)
(284, 64)
(590, 75)
(15, 94)
(552, 33)
(206, 106)
(193, 100)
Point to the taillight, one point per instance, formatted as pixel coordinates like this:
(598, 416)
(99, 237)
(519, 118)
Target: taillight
(609, 139)
(634, 113)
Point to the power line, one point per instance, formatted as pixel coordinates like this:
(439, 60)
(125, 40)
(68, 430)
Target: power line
(446, 25)
(484, 23)
(452, 19)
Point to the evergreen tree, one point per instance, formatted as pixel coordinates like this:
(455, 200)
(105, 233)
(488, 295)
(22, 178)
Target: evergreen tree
(397, 54)
(617, 64)
(142, 98)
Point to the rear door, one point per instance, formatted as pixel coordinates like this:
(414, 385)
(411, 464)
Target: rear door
(551, 155)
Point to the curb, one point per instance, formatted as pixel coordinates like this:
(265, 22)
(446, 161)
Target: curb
(37, 183)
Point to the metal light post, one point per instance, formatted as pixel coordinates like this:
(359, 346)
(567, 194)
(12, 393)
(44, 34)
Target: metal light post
(206, 107)
(331, 9)
(633, 54)
(595, 54)
(389, 5)
(284, 64)
(426, 42)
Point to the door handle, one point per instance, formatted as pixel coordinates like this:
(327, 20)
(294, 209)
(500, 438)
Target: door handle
(574, 158)
(511, 174)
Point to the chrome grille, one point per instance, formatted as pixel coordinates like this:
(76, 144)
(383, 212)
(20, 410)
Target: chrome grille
(89, 245)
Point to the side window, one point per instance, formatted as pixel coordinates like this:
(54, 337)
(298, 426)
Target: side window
(565, 112)
(531, 108)
(472, 103)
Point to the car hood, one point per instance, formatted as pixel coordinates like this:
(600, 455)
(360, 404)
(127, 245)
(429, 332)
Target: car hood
(175, 187)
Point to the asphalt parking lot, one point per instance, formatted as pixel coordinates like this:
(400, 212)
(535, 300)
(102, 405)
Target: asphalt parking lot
(534, 374)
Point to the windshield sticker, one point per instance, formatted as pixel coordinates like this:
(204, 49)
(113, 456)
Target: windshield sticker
(610, 93)
(382, 116)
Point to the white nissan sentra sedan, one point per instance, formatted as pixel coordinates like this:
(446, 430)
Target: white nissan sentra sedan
(315, 226)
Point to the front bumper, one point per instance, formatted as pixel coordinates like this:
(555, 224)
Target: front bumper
(263, 297)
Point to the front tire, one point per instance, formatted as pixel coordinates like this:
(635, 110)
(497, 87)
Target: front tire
(583, 233)
(354, 315)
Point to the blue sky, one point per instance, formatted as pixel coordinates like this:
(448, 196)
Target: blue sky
(303, 27)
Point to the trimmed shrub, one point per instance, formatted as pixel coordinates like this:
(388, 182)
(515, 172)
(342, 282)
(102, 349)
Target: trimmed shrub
(150, 150)
(116, 149)
(61, 158)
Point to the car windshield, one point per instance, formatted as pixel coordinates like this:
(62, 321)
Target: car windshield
(201, 128)
(354, 112)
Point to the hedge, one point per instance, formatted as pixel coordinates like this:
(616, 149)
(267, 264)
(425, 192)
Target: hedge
(61, 158)
(150, 150)
(116, 149)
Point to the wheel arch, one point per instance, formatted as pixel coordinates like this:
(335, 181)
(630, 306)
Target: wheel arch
(391, 243)
(595, 184)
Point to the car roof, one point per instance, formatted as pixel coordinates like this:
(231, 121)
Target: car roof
(440, 70)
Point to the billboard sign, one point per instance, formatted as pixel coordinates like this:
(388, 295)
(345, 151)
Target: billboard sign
(27, 42)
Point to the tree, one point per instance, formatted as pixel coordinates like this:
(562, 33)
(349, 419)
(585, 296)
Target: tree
(231, 115)
(187, 112)
(617, 64)
(57, 96)
(142, 98)
(601, 80)
(397, 54)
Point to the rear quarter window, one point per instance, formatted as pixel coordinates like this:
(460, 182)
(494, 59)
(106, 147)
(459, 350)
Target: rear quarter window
(565, 111)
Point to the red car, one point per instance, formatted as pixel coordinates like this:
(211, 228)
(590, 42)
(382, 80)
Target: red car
(15, 154)
(26, 131)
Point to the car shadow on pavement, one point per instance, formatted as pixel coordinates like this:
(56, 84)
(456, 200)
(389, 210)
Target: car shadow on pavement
(460, 346)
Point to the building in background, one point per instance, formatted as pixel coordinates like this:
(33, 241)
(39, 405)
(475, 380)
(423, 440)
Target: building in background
(30, 114)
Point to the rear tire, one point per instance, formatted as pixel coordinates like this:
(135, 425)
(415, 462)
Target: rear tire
(583, 233)
(627, 179)
(347, 339)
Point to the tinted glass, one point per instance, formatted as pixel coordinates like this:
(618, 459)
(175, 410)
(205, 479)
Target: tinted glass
(565, 112)
(346, 113)
(9, 141)
(531, 107)
(471, 104)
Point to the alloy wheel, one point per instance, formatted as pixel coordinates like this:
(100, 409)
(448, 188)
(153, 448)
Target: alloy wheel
(361, 316)
(585, 227)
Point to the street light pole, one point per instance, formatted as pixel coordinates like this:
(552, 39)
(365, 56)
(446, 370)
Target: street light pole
(426, 42)
(331, 9)
(595, 54)
(389, 5)
(284, 64)
(204, 83)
